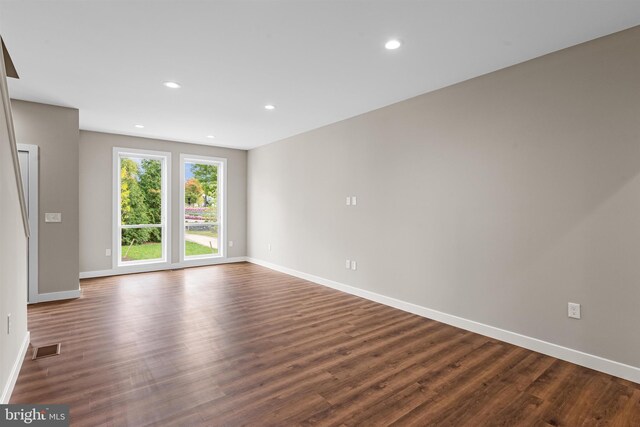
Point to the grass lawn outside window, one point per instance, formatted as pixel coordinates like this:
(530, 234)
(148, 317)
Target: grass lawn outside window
(154, 250)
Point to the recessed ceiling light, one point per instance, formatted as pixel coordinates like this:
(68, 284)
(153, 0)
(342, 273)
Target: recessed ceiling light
(139, 126)
(210, 136)
(392, 44)
(172, 85)
(269, 107)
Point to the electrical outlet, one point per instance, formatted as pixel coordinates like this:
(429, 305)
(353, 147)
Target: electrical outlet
(230, 243)
(347, 264)
(348, 201)
(574, 310)
(9, 324)
(354, 200)
(107, 252)
(354, 266)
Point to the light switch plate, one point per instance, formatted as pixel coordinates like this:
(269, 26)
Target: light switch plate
(52, 217)
(354, 200)
(348, 201)
(347, 264)
(107, 252)
(354, 265)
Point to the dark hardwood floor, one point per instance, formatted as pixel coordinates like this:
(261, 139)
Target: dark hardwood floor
(243, 345)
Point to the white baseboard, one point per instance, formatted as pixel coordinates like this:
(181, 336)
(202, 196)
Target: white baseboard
(15, 370)
(611, 367)
(160, 267)
(56, 296)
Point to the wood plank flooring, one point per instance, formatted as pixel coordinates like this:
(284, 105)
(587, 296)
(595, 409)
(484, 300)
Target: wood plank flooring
(239, 344)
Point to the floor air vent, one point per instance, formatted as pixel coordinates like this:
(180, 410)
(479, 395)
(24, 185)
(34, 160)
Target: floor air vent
(46, 351)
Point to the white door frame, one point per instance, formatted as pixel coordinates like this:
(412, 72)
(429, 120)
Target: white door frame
(32, 296)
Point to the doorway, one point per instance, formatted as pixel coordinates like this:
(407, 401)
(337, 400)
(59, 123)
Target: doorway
(28, 157)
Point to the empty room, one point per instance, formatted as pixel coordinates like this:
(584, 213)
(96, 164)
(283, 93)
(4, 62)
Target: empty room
(320, 212)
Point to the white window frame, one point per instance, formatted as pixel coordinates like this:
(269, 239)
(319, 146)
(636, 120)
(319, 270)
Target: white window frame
(165, 158)
(222, 206)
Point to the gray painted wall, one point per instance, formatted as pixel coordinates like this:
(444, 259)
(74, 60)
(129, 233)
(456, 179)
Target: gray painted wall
(96, 156)
(55, 131)
(498, 200)
(13, 251)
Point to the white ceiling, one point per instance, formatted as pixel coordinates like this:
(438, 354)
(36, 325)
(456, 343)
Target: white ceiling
(318, 61)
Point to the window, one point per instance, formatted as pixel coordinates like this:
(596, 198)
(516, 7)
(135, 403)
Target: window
(141, 232)
(203, 195)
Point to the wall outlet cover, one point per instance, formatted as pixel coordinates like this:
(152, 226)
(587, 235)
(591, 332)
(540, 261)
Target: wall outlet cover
(574, 310)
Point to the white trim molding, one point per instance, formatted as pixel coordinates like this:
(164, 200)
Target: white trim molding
(32, 186)
(57, 296)
(611, 367)
(15, 370)
(150, 268)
